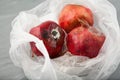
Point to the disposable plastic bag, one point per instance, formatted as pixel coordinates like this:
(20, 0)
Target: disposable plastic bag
(66, 67)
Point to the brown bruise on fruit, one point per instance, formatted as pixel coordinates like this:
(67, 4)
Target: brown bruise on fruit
(44, 34)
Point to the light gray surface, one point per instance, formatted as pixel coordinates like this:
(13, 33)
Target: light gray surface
(8, 10)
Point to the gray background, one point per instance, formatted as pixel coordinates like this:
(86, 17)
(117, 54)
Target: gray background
(8, 10)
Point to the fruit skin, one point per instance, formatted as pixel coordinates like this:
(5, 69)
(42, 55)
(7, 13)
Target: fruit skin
(52, 36)
(85, 41)
(72, 15)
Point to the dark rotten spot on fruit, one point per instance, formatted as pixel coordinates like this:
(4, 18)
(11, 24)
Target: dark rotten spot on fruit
(44, 34)
(54, 33)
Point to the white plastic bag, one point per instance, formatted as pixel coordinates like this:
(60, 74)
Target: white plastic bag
(66, 67)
